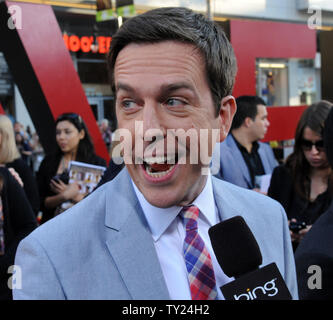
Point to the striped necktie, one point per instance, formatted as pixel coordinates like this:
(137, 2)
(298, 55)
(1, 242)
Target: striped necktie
(197, 258)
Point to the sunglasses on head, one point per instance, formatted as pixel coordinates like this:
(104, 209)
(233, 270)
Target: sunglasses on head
(307, 145)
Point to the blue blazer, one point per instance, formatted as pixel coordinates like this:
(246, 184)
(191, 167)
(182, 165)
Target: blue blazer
(102, 247)
(233, 166)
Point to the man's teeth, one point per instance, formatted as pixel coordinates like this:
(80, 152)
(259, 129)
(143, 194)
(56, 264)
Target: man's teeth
(160, 160)
(159, 174)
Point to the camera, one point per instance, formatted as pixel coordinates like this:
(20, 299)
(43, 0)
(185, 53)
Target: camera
(297, 226)
(64, 177)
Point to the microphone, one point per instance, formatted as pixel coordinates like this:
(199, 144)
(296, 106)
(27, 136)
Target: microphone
(239, 256)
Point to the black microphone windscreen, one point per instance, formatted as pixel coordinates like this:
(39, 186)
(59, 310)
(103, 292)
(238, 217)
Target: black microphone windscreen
(235, 247)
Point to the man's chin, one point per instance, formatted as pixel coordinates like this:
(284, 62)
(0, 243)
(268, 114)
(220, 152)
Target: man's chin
(161, 200)
(161, 197)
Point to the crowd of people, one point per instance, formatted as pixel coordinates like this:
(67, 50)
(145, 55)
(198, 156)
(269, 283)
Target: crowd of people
(144, 208)
(32, 193)
(302, 183)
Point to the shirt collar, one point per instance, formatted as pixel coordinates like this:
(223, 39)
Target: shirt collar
(159, 219)
(255, 146)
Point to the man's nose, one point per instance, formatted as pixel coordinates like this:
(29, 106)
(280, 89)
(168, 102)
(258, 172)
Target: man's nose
(152, 123)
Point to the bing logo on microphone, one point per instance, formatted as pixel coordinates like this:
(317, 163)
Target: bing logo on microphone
(268, 288)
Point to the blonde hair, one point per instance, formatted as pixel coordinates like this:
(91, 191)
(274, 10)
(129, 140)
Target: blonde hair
(8, 148)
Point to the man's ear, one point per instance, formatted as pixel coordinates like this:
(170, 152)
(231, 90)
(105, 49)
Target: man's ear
(247, 122)
(227, 112)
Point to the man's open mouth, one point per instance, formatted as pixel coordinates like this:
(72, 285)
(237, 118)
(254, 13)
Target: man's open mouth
(157, 167)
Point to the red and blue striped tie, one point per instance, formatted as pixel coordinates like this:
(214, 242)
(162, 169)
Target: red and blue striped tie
(197, 258)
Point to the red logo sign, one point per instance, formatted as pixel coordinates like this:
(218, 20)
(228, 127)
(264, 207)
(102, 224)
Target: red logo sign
(87, 44)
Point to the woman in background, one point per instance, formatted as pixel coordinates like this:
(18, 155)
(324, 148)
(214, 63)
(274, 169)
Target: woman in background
(301, 185)
(73, 143)
(11, 158)
(316, 248)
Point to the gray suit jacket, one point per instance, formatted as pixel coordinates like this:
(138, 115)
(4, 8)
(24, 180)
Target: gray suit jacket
(102, 247)
(236, 168)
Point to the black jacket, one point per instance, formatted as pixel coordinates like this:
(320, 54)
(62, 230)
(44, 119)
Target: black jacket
(316, 250)
(29, 182)
(19, 221)
(47, 170)
(282, 189)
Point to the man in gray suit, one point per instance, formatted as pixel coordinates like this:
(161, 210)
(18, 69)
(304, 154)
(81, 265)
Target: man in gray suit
(171, 69)
(252, 159)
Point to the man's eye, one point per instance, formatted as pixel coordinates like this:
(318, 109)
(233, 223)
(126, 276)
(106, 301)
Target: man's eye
(127, 104)
(175, 102)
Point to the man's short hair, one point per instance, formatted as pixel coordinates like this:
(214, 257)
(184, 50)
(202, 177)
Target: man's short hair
(246, 107)
(185, 26)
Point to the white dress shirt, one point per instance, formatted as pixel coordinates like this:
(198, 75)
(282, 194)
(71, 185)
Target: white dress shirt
(168, 233)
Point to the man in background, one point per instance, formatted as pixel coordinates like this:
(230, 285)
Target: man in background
(252, 159)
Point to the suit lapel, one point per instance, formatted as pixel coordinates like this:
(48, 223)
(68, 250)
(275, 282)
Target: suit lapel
(130, 243)
(229, 205)
(264, 160)
(223, 200)
(239, 159)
